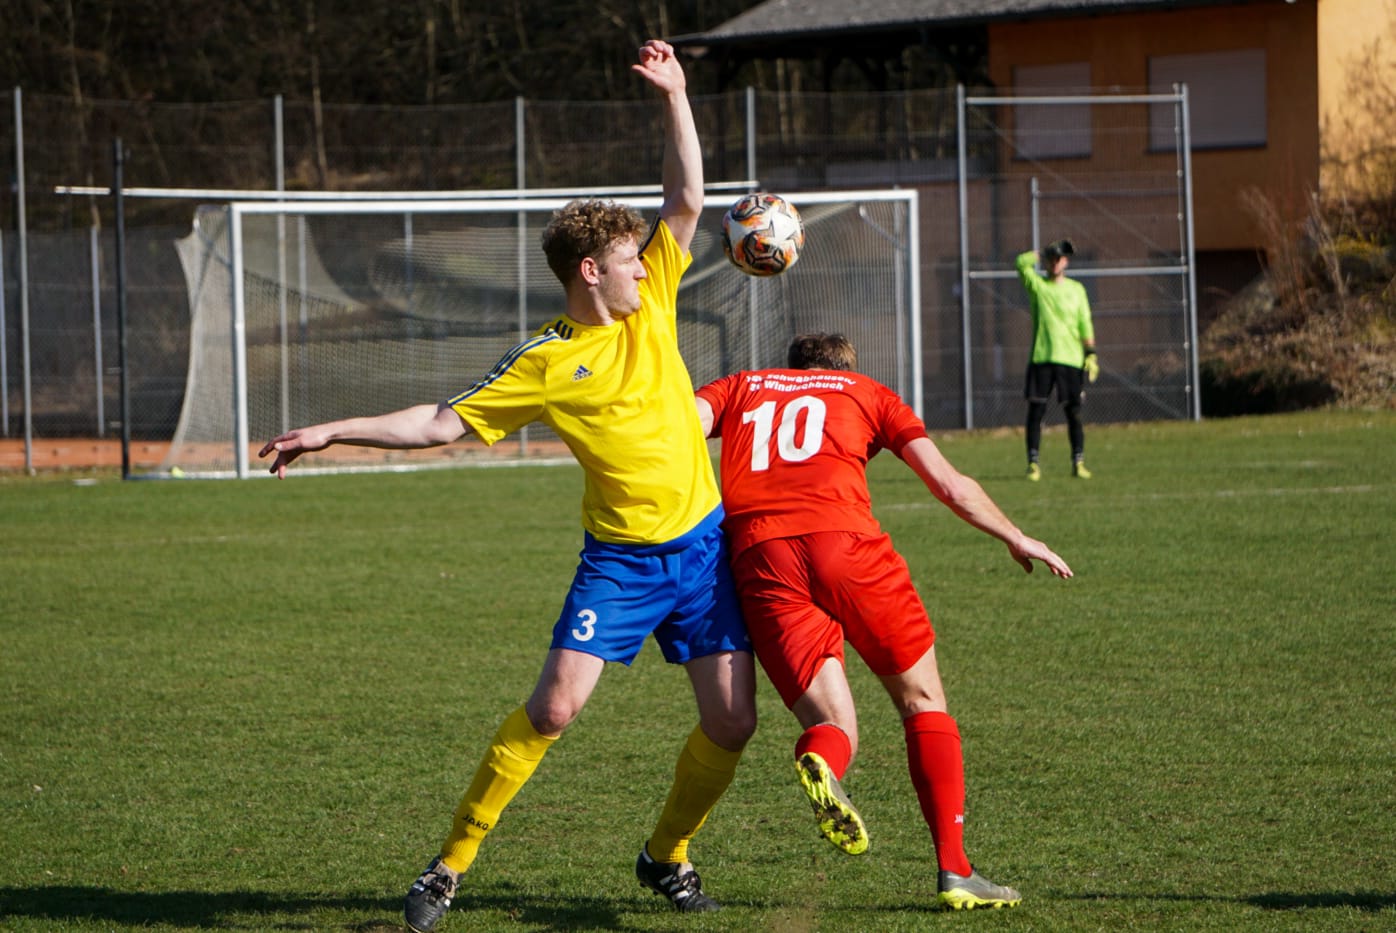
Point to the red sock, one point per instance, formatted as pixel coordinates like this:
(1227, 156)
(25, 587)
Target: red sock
(829, 742)
(938, 774)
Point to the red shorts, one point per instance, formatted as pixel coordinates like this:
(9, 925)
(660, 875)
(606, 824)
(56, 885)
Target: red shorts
(803, 597)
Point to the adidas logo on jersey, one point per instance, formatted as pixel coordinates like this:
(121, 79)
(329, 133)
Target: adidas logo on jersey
(581, 373)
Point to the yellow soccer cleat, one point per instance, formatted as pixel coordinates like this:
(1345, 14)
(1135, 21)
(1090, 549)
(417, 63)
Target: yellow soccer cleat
(1078, 470)
(838, 821)
(974, 891)
(1034, 472)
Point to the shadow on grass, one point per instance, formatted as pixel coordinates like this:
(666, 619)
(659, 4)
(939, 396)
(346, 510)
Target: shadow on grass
(1358, 900)
(231, 909)
(1355, 899)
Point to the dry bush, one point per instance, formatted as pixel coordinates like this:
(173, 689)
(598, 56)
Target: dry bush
(1318, 328)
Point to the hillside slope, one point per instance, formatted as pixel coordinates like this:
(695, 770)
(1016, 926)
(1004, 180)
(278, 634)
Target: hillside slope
(1317, 331)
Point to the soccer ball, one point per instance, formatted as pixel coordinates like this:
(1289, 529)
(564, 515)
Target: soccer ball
(762, 234)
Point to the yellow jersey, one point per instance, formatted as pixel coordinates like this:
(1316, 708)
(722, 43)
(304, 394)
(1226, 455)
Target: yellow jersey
(621, 398)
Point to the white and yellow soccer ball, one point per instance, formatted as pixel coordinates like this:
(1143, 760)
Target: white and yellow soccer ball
(762, 234)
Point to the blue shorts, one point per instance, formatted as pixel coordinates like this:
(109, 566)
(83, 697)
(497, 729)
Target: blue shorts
(681, 591)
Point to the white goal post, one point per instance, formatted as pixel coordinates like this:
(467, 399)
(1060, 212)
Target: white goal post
(310, 310)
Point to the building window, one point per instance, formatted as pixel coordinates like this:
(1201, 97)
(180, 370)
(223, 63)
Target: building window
(1226, 98)
(1052, 131)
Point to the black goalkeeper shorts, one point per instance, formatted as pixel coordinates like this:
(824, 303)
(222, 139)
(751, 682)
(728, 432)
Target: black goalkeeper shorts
(1069, 381)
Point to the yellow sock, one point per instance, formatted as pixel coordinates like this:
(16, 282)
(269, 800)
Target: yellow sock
(703, 773)
(510, 762)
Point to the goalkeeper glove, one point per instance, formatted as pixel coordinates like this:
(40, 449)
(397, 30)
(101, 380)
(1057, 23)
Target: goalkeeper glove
(1091, 366)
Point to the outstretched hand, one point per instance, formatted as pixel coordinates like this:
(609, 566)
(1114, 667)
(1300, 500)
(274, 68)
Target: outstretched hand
(289, 446)
(1029, 549)
(659, 65)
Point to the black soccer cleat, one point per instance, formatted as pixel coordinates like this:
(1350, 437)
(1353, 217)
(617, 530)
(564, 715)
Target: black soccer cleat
(678, 881)
(429, 897)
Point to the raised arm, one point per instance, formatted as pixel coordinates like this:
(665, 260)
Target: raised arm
(967, 499)
(705, 415)
(415, 427)
(683, 156)
(1026, 264)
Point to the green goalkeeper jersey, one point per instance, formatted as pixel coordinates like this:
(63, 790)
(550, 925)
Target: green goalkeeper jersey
(1061, 315)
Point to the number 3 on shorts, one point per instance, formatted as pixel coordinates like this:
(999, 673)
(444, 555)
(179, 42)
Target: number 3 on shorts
(588, 627)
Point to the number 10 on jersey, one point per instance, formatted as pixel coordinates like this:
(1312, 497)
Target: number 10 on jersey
(796, 438)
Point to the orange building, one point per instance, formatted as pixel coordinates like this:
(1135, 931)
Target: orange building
(1274, 85)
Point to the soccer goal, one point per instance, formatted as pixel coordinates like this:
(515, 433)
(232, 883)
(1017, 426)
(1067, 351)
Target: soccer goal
(306, 311)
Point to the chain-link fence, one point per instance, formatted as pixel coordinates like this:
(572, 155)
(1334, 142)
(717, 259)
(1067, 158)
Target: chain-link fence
(1071, 167)
(59, 354)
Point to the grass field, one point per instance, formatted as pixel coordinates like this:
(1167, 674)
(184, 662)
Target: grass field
(253, 706)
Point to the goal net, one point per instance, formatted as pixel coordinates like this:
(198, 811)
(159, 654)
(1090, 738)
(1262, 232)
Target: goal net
(310, 311)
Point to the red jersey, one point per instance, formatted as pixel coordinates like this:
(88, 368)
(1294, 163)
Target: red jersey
(795, 448)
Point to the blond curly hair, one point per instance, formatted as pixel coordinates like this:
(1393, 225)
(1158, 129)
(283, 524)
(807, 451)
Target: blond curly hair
(588, 228)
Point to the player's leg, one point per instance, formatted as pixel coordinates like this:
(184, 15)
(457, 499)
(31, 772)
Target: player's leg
(1037, 390)
(871, 590)
(1072, 392)
(705, 634)
(1077, 432)
(824, 751)
(606, 616)
(724, 689)
(869, 587)
(801, 649)
(808, 657)
(933, 756)
(583, 640)
(936, 762)
(724, 686)
(567, 680)
(829, 717)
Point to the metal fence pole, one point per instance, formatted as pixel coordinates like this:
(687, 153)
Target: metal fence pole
(753, 344)
(913, 257)
(283, 321)
(4, 353)
(118, 162)
(1035, 190)
(960, 110)
(750, 132)
(303, 309)
(28, 394)
(95, 254)
(239, 338)
(521, 225)
(1190, 257)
